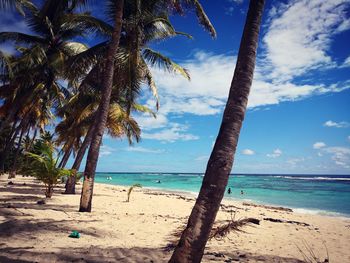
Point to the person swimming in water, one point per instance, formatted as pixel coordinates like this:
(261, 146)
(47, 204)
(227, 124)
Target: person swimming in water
(242, 193)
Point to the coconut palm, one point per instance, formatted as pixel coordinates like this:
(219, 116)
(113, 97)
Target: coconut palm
(33, 74)
(193, 240)
(77, 123)
(42, 55)
(131, 68)
(133, 10)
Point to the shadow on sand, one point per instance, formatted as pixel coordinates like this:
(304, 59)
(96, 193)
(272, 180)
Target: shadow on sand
(17, 200)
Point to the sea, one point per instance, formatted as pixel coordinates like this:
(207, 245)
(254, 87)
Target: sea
(317, 194)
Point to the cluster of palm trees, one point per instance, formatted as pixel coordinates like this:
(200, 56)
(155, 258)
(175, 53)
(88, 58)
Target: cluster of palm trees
(56, 78)
(52, 74)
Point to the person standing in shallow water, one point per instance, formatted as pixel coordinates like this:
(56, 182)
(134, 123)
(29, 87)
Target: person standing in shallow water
(229, 190)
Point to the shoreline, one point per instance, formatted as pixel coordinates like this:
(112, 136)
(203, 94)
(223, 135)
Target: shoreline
(300, 210)
(142, 230)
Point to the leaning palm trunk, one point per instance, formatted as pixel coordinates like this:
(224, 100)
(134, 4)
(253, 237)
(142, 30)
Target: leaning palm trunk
(194, 238)
(12, 173)
(92, 158)
(8, 146)
(70, 185)
(8, 140)
(66, 156)
(49, 191)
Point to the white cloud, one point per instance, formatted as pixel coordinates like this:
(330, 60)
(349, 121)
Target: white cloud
(202, 158)
(340, 155)
(319, 145)
(276, 153)
(300, 34)
(144, 150)
(295, 161)
(342, 124)
(211, 75)
(297, 40)
(147, 122)
(346, 63)
(248, 152)
(106, 150)
(174, 132)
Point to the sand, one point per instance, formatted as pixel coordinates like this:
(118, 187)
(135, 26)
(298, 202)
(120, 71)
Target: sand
(142, 230)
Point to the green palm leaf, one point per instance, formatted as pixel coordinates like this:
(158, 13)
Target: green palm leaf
(161, 61)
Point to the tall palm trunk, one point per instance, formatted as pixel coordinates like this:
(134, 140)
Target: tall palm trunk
(4, 151)
(194, 238)
(92, 158)
(12, 173)
(70, 184)
(66, 156)
(8, 147)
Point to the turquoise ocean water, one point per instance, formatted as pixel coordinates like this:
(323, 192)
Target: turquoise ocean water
(322, 194)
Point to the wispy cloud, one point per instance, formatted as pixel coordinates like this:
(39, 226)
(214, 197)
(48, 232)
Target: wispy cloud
(340, 155)
(346, 63)
(248, 152)
(300, 34)
(176, 132)
(147, 122)
(294, 161)
(106, 150)
(318, 145)
(342, 124)
(144, 150)
(202, 158)
(275, 154)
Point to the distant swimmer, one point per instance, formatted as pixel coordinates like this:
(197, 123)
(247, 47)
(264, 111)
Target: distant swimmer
(229, 190)
(109, 178)
(158, 182)
(242, 193)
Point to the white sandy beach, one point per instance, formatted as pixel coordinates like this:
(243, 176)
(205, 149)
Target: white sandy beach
(142, 230)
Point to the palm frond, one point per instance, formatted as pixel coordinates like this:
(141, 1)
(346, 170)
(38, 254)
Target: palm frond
(86, 23)
(180, 5)
(161, 61)
(20, 38)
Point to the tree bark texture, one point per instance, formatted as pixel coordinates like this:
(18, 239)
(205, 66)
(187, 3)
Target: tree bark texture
(194, 238)
(92, 158)
(66, 156)
(70, 184)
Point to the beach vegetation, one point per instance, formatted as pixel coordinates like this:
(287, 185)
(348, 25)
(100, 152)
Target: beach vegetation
(131, 188)
(43, 166)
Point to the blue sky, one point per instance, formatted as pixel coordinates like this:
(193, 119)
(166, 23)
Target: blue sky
(298, 120)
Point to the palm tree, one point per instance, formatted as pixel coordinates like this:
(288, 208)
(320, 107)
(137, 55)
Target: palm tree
(139, 28)
(44, 167)
(193, 240)
(101, 118)
(79, 114)
(33, 74)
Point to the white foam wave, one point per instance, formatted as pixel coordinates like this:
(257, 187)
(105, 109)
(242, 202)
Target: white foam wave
(320, 212)
(320, 178)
